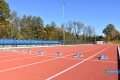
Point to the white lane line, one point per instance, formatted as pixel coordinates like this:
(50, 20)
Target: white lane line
(17, 55)
(10, 52)
(76, 64)
(105, 61)
(20, 58)
(13, 52)
(93, 60)
(29, 64)
(42, 55)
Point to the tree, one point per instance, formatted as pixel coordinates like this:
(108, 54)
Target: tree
(85, 34)
(23, 24)
(109, 31)
(14, 29)
(109, 28)
(114, 34)
(39, 25)
(49, 32)
(75, 30)
(54, 32)
(80, 26)
(4, 11)
(4, 15)
(59, 34)
(4, 29)
(69, 28)
(100, 38)
(88, 33)
(33, 27)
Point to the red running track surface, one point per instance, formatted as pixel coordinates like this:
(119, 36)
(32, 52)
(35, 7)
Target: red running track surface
(24, 66)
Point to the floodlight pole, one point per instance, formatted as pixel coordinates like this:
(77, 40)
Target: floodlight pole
(63, 25)
(95, 32)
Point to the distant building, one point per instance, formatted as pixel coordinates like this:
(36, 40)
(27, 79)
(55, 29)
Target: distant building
(99, 42)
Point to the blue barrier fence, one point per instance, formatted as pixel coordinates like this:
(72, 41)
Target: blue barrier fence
(28, 42)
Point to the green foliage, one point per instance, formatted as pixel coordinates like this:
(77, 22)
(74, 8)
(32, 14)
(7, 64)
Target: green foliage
(116, 41)
(14, 29)
(109, 28)
(4, 16)
(32, 27)
(4, 11)
(111, 33)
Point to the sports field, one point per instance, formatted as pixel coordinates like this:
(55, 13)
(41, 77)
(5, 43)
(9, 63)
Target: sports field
(21, 65)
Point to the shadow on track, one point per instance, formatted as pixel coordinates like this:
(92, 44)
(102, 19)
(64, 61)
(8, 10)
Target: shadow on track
(118, 63)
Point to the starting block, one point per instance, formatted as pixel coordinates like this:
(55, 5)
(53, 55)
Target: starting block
(57, 54)
(105, 57)
(78, 55)
(21, 51)
(29, 51)
(40, 53)
(102, 57)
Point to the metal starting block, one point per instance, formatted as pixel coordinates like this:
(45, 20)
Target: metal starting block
(21, 51)
(57, 54)
(40, 53)
(29, 51)
(102, 57)
(78, 55)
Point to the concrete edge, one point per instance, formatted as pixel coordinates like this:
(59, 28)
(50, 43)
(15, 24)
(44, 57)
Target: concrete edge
(41, 46)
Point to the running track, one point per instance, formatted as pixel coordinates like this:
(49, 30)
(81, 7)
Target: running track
(29, 66)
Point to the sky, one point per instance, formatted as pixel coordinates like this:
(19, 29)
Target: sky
(95, 13)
